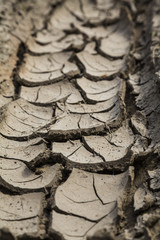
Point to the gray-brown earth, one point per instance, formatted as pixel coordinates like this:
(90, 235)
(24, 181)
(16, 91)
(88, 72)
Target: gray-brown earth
(80, 120)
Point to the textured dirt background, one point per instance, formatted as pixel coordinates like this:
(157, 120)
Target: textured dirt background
(80, 120)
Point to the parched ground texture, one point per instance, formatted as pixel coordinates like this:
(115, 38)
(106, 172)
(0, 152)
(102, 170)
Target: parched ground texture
(80, 120)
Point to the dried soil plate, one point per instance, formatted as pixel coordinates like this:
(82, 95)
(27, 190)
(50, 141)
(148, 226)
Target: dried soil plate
(99, 67)
(73, 41)
(74, 119)
(22, 119)
(118, 42)
(75, 152)
(63, 19)
(73, 125)
(48, 68)
(21, 213)
(85, 200)
(16, 176)
(95, 153)
(63, 90)
(99, 91)
(31, 151)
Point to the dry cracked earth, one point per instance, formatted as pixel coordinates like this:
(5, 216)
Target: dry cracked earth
(80, 120)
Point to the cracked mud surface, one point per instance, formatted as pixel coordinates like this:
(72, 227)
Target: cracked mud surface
(79, 120)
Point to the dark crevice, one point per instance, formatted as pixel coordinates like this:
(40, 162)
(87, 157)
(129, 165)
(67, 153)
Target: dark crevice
(7, 191)
(74, 215)
(20, 55)
(130, 103)
(95, 190)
